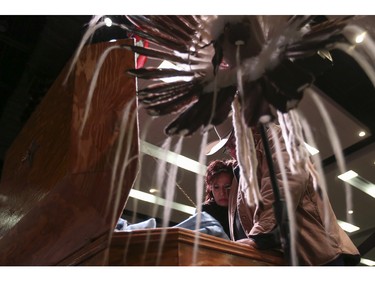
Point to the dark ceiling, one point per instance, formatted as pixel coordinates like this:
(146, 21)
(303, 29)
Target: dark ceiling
(33, 51)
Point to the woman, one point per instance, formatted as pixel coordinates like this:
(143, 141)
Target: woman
(219, 176)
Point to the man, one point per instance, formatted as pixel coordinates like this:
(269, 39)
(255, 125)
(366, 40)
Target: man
(256, 226)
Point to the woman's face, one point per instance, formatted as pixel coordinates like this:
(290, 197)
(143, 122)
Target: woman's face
(220, 188)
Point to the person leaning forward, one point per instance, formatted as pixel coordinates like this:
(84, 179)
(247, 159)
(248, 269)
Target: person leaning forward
(255, 226)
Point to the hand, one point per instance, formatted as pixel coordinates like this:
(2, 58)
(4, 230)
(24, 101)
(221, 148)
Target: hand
(247, 241)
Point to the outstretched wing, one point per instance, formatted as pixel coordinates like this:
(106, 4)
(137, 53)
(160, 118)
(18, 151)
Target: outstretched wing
(219, 56)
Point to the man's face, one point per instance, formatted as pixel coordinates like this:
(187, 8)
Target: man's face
(230, 147)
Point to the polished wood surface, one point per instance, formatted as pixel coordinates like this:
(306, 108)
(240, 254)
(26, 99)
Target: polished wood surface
(141, 247)
(56, 184)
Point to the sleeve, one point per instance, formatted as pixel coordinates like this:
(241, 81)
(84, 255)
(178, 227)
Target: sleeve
(264, 218)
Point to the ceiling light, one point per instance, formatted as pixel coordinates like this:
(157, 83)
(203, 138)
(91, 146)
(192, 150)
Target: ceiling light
(361, 133)
(350, 212)
(143, 196)
(153, 190)
(359, 182)
(173, 158)
(347, 175)
(347, 226)
(367, 262)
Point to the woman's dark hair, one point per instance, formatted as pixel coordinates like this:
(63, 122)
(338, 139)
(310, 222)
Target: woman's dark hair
(215, 168)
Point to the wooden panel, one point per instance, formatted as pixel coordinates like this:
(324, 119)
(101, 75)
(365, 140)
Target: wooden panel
(93, 253)
(38, 157)
(56, 184)
(141, 247)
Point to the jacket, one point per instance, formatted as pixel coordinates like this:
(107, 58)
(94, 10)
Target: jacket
(315, 243)
(219, 213)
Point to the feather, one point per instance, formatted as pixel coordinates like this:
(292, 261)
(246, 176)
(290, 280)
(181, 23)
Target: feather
(320, 36)
(153, 26)
(186, 24)
(156, 88)
(159, 39)
(160, 54)
(173, 105)
(199, 114)
(166, 98)
(172, 26)
(172, 29)
(167, 95)
(157, 73)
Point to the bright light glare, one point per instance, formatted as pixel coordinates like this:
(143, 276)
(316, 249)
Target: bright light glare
(347, 226)
(359, 39)
(362, 134)
(108, 22)
(362, 184)
(143, 196)
(311, 150)
(348, 175)
(167, 64)
(367, 262)
(173, 158)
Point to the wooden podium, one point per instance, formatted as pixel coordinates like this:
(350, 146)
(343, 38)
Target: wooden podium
(142, 248)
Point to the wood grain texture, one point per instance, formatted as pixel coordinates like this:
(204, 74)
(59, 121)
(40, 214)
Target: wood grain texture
(141, 247)
(56, 184)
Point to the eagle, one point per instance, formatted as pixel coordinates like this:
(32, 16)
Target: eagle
(258, 58)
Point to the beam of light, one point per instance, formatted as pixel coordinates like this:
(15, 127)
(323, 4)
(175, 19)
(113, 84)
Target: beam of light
(311, 150)
(143, 196)
(359, 182)
(347, 226)
(367, 262)
(173, 158)
(347, 175)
